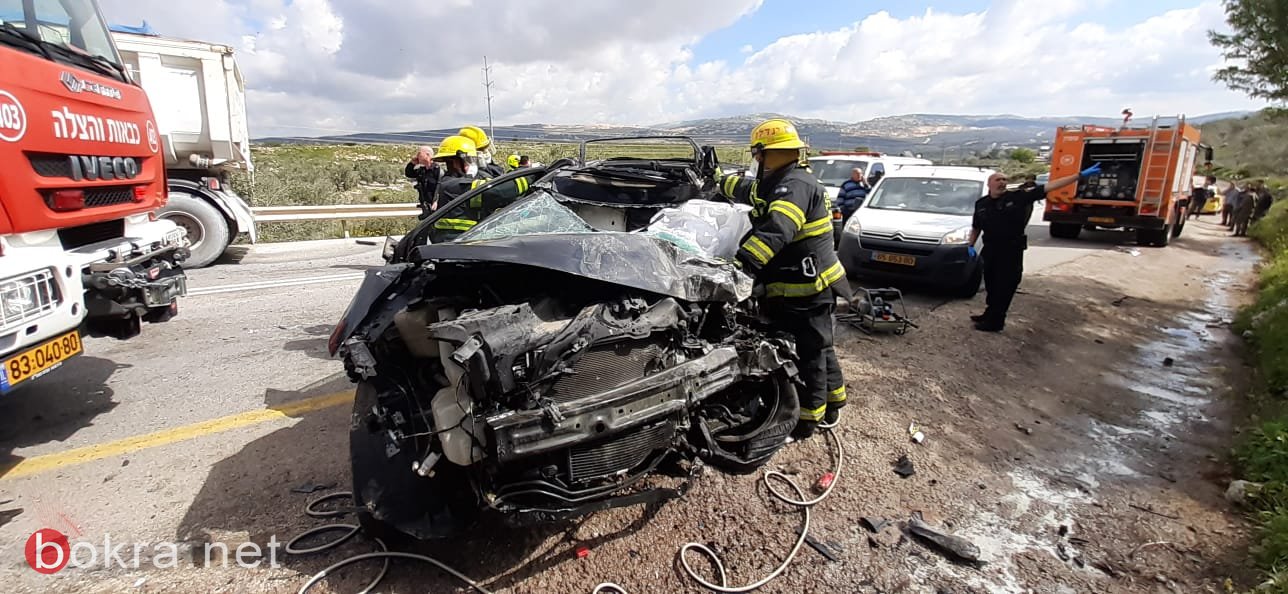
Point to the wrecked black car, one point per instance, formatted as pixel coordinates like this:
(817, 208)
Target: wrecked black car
(589, 333)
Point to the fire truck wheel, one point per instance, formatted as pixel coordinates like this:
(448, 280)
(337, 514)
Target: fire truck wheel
(206, 227)
(1065, 230)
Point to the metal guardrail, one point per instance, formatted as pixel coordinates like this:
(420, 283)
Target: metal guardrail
(334, 212)
(276, 214)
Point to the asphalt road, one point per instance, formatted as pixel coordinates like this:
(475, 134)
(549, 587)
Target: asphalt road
(153, 438)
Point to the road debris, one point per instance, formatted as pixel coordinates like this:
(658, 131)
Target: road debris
(1023, 429)
(903, 467)
(959, 547)
(822, 549)
(1168, 361)
(1129, 251)
(915, 433)
(874, 524)
(1120, 301)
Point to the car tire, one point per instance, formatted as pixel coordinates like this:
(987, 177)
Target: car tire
(971, 287)
(1154, 237)
(1065, 230)
(206, 227)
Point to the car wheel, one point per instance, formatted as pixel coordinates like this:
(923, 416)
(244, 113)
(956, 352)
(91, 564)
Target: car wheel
(972, 285)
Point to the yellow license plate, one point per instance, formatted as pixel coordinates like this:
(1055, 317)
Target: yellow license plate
(39, 360)
(895, 259)
(1108, 220)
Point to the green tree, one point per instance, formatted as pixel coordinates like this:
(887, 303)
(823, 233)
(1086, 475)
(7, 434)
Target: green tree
(1256, 48)
(1023, 155)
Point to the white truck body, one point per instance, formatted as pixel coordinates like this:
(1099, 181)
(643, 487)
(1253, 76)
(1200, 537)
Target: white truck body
(199, 97)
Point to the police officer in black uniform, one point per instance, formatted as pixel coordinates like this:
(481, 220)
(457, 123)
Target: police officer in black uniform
(1002, 217)
(790, 252)
(426, 172)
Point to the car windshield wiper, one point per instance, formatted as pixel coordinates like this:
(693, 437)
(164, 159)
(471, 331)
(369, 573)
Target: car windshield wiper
(48, 48)
(16, 36)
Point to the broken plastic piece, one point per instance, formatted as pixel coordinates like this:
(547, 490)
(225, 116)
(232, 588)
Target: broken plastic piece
(915, 432)
(583, 552)
(825, 481)
(875, 524)
(959, 547)
(904, 467)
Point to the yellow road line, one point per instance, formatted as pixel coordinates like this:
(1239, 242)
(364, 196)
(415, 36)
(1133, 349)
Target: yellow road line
(128, 445)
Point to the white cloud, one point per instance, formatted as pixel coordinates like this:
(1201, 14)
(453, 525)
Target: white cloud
(313, 66)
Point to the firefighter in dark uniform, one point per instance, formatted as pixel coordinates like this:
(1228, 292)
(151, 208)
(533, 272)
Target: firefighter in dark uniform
(457, 153)
(484, 146)
(1002, 216)
(790, 252)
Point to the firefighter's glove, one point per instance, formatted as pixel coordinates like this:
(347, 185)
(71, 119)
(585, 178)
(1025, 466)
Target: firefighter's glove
(970, 250)
(1094, 169)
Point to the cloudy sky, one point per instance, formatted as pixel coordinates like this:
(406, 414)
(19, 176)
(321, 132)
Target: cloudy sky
(316, 67)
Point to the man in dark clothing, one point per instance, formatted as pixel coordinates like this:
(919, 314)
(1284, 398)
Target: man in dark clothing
(790, 253)
(1200, 195)
(1264, 201)
(852, 193)
(426, 172)
(1002, 217)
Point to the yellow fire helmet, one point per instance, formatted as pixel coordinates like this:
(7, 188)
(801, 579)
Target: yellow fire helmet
(477, 135)
(455, 146)
(775, 134)
(512, 161)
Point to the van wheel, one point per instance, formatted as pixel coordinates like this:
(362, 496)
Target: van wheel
(971, 287)
(206, 227)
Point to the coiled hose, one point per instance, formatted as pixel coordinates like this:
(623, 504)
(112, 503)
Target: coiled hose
(603, 588)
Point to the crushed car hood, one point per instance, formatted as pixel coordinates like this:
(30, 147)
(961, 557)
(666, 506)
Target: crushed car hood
(627, 259)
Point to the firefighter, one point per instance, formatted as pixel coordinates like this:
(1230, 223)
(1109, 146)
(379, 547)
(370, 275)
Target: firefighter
(458, 154)
(484, 147)
(1002, 217)
(790, 253)
(513, 162)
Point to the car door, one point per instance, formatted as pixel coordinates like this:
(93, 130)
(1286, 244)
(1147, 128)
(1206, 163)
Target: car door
(468, 209)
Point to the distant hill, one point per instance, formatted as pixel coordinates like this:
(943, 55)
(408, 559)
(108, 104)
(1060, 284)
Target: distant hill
(918, 133)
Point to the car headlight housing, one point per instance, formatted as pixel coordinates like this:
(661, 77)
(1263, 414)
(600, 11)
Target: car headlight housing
(956, 237)
(852, 226)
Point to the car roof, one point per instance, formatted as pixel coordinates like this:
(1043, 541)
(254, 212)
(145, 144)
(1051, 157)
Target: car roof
(883, 158)
(942, 171)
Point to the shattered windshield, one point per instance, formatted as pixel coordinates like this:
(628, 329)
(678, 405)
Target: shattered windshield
(539, 214)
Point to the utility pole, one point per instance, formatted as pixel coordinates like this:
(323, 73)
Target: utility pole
(487, 84)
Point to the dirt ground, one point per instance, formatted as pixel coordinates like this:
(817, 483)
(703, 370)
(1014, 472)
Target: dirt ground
(1082, 450)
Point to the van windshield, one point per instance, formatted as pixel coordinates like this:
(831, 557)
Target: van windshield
(834, 172)
(926, 194)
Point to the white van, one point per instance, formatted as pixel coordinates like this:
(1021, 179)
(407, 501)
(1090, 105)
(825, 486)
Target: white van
(833, 169)
(914, 225)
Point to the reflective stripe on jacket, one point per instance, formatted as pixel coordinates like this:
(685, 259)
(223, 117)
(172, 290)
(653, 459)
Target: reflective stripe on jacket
(790, 248)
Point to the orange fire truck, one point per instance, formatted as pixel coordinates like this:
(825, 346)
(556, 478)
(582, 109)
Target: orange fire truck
(81, 250)
(1144, 182)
